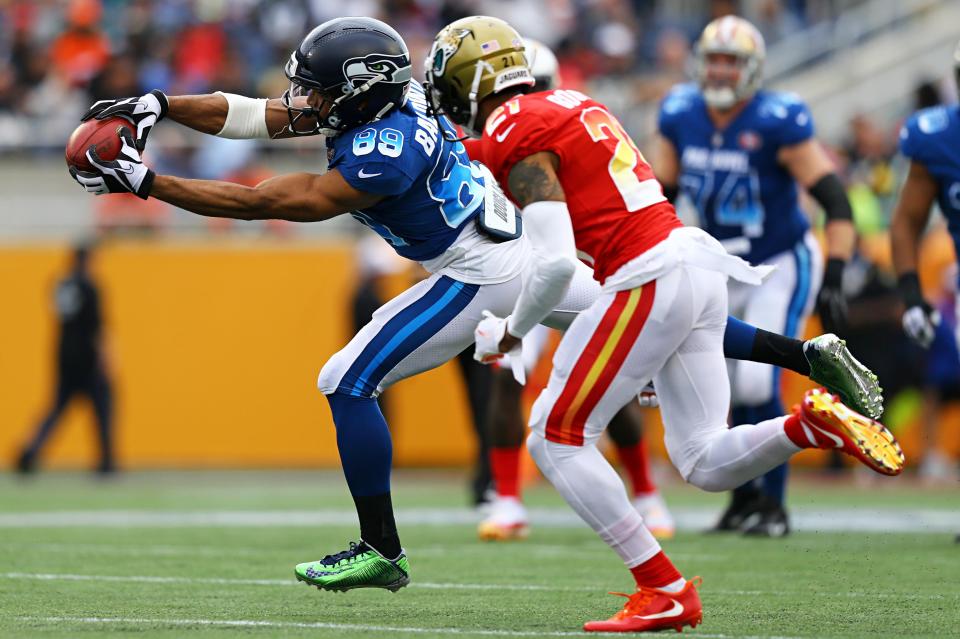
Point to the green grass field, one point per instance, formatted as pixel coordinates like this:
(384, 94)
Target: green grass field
(212, 553)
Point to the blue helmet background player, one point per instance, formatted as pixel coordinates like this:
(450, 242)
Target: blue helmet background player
(740, 154)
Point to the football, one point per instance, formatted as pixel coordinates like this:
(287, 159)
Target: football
(102, 134)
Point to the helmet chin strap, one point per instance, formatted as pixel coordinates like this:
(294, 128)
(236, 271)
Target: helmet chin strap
(472, 97)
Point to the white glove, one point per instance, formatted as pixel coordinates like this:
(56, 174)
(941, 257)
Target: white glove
(488, 334)
(648, 396)
(143, 112)
(126, 174)
(920, 324)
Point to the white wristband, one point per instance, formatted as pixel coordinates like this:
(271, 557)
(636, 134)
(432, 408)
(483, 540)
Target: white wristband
(246, 118)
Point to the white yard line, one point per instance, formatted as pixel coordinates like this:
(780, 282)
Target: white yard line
(877, 520)
(214, 581)
(255, 623)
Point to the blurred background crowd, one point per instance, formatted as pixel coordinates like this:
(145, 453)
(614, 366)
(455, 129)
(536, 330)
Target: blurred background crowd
(58, 56)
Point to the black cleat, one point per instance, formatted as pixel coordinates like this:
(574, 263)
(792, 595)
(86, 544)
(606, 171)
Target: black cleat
(743, 504)
(770, 520)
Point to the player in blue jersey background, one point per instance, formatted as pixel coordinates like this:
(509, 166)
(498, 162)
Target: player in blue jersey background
(930, 139)
(740, 154)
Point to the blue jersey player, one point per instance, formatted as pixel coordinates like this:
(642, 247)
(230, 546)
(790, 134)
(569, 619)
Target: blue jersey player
(740, 154)
(395, 169)
(930, 139)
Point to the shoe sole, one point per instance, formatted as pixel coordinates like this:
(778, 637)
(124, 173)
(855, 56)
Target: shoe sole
(847, 372)
(864, 438)
(677, 624)
(392, 587)
(517, 532)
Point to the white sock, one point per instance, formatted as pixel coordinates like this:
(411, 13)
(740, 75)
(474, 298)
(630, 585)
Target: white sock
(675, 586)
(595, 491)
(737, 455)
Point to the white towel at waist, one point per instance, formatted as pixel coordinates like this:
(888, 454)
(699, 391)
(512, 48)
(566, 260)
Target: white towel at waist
(686, 245)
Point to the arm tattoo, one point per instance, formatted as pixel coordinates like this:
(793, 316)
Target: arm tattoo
(530, 181)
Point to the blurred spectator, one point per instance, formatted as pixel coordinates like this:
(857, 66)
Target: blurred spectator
(81, 51)
(82, 363)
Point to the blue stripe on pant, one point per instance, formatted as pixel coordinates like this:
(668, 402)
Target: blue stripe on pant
(404, 333)
(363, 439)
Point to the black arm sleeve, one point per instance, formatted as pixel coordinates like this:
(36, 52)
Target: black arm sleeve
(829, 192)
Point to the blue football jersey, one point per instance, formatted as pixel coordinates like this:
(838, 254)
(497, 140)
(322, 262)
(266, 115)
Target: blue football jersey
(931, 137)
(743, 195)
(432, 191)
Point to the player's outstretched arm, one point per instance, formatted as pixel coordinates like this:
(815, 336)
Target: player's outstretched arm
(231, 116)
(223, 114)
(910, 217)
(297, 197)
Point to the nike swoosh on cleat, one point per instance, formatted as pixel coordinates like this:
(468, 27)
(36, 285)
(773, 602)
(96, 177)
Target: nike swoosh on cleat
(676, 611)
(363, 174)
(836, 440)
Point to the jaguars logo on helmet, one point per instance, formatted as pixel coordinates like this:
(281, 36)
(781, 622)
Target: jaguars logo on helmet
(360, 67)
(470, 60)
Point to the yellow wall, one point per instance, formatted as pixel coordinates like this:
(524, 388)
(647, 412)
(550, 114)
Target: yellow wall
(216, 349)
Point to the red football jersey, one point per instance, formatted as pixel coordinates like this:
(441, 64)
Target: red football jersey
(616, 204)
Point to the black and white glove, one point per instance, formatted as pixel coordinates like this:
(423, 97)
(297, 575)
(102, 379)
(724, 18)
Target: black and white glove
(920, 320)
(831, 302)
(126, 174)
(143, 112)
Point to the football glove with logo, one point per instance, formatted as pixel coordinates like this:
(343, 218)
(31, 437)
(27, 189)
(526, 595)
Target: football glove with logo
(920, 319)
(126, 174)
(488, 334)
(143, 112)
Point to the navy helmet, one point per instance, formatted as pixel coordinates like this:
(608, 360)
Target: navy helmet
(360, 66)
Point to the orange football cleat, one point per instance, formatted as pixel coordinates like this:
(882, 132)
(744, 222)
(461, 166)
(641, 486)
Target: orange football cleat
(828, 423)
(651, 609)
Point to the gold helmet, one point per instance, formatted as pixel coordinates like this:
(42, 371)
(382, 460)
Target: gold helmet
(731, 35)
(471, 59)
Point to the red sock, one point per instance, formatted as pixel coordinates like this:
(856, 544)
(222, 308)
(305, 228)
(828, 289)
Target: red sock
(505, 466)
(637, 464)
(656, 572)
(799, 434)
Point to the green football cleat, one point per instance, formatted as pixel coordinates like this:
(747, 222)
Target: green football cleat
(360, 566)
(832, 365)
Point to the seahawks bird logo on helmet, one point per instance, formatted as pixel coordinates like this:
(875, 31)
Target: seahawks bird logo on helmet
(377, 67)
(358, 67)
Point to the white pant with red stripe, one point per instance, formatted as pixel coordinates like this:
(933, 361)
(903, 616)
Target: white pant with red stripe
(669, 330)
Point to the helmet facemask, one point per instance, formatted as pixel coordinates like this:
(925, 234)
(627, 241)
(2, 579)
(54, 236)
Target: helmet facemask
(724, 96)
(349, 98)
